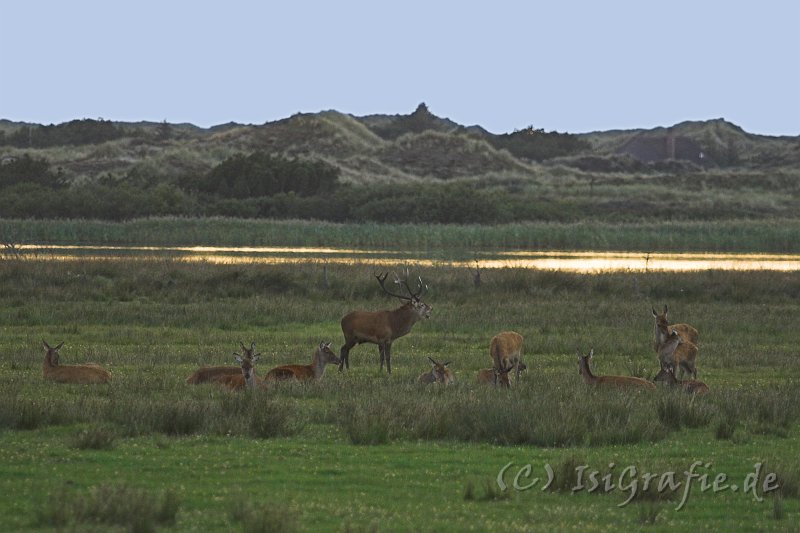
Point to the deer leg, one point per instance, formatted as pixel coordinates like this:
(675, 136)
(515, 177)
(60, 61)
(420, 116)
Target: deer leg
(684, 368)
(516, 365)
(388, 351)
(344, 355)
(382, 352)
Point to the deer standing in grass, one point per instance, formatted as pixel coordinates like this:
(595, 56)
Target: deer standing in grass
(495, 376)
(622, 382)
(438, 374)
(383, 327)
(246, 379)
(505, 349)
(663, 328)
(208, 374)
(322, 357)
(86, 374)
(691, 386)
(678, 353)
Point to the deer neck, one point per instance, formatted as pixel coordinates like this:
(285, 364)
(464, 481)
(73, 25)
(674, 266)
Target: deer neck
(48, 362)
(318, 365)
(588, 377)
(403, 319)
(661, 332)
(667, 348)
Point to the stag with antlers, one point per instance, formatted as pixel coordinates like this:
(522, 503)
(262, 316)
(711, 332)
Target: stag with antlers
(383, 327)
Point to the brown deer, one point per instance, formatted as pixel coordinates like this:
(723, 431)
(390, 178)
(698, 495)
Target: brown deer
(323, 356)
(494, 376)
(86, 374)
(383, 327)
(208, 374)
(691, 386)
(662, 329)
(629, 382)
(679, 353)
(438, 374)
(666, 349)
(246, 379)
(505, 349)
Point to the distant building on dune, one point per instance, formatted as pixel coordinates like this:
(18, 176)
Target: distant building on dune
(650, 147)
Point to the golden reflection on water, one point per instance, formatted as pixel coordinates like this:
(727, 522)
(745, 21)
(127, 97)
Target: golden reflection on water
(586, 262)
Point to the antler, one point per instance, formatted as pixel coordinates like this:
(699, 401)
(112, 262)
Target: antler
(382, 280)
(412, 295)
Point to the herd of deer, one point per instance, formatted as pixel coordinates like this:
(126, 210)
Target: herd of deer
(675, 345)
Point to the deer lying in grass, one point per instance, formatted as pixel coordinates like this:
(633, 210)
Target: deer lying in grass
(691, 386)
(678, 353)
(494, 376)
(85, 374)
(438, 374)
(662, 329)
(323, 356)
(384, 327)
(505, 349)
(245, 379)
(612, 381)
(208, 374)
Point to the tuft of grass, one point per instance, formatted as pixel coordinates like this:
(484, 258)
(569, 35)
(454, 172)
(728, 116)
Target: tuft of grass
(778, 513)
(788, 478)
(118, 505)
(96, 437)
(565, 474)
(637, 368)
(365, 425)
(265, 517)
(725, 427)
(273, 418)
(648, 512)
(677, 409)
(469, 491)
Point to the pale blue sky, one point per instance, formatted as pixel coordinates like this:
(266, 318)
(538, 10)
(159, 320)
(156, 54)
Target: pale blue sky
(570, 65)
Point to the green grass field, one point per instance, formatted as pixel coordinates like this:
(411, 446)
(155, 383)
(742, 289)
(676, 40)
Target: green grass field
(363, 451)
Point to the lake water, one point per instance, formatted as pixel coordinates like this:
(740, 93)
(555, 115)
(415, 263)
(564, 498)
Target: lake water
(587, 262)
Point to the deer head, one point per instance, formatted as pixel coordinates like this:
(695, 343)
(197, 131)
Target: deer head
(52, 353)
(248, 368)
(247, 353)
(326, 355)
(439, 370)
(412, 297)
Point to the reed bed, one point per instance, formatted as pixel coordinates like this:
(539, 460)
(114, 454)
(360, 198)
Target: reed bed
(765, 236)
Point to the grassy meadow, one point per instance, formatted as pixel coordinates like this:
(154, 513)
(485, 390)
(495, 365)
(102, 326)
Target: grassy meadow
(363, 451)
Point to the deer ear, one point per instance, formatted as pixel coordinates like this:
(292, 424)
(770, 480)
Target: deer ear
(445, 364)
(255, 357)
(654, 312)
(57, 348)
(591, 353)
(665, 310)
(252, 346)
(238, 358)
(242, 345)
(46, 346)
